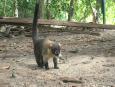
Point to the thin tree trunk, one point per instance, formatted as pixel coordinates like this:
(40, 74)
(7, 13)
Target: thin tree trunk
(16, 8)
(93, 12)
(41, 9)
(4, 7)
(97, 9)
(71, 10)
(48, 15)
(103, 11)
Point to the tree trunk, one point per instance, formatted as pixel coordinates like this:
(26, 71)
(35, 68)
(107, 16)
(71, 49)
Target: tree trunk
(93, 12)
(98, 10)
(41, 9)
(48, 15)
(16, 8)
(71, 10)
(4, 7)
(103, 11)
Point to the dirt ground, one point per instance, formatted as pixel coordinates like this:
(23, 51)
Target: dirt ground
(89, 61)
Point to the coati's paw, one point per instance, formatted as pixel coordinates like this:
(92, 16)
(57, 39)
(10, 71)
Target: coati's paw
(41, 66)
(56, 67)
(47, 68)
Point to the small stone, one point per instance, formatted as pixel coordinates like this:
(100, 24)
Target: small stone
(92, 58)
(13, 76)
(5, 66)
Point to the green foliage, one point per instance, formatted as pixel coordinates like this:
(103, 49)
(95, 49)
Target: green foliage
(26, 8)
(8, 8)
(59, 9)
(110, 12)
(1, 7)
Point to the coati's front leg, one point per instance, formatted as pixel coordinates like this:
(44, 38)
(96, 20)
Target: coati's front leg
(45, 61)
(46, 65)
(55, 63)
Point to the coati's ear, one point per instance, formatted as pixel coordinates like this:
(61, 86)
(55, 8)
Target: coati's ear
(49, 45)
(60, 45)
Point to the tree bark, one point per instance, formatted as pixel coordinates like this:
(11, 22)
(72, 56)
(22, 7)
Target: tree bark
(48, 15)
(93, 12)
(98, 10)
(19, 21)
(71, 10)
(41, 9)
(4, 7)
(16, 8)
(103, 11)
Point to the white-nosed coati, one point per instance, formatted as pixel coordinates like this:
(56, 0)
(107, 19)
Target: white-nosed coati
(44, 49)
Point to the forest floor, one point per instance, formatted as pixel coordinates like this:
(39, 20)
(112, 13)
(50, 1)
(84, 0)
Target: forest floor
(89, 61)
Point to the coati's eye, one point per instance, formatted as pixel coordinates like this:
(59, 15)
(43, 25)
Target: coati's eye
(56, 49)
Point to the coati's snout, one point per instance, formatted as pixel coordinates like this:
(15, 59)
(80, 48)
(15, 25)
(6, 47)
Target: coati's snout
(56, 49)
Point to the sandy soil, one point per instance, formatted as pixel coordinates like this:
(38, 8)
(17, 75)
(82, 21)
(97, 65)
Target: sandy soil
(89, 61)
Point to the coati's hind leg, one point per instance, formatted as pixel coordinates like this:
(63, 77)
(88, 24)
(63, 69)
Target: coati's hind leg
(39, 58)
(55, 63)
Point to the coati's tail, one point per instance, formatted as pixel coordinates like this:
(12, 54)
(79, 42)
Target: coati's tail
(34, 25)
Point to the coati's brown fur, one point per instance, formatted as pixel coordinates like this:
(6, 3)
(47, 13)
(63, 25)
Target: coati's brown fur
(44, 49)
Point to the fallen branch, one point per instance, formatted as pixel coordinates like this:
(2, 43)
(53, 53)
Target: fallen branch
(22, 21)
